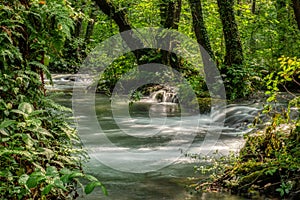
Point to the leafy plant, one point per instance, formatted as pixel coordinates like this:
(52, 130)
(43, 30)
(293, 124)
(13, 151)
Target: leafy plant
(240, 81)
(41, 154)
(285, 188)
(269, 161)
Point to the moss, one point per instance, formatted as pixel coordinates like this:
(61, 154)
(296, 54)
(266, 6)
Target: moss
(264, 167)
(204, 105)
(267, 165)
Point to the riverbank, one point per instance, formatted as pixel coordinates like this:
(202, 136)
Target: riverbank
(268, 165)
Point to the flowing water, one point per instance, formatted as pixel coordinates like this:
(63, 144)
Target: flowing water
(155, 137)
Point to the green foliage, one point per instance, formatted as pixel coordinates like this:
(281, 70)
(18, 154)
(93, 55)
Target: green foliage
(261, 35)
(41, 154)
(266, 34)
(285, 188)
(287, 73)
(115, 71)
(72, 56)
(269, 161)
(241, 81)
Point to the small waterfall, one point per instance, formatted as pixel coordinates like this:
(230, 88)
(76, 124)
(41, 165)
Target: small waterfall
(164, 96)
(67, 82)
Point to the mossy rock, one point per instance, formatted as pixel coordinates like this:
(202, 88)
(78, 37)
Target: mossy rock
(204, 105)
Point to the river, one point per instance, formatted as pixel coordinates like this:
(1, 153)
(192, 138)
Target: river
(154, 176)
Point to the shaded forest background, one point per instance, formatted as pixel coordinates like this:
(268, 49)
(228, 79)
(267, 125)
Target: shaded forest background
(244, 38)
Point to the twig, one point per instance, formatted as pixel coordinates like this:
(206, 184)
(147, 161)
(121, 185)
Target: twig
(295, 80)
(289, 91)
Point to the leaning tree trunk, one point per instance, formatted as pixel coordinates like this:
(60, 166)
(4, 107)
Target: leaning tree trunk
(199, 26)
(234, 52)
(120, 18)
(296, 7)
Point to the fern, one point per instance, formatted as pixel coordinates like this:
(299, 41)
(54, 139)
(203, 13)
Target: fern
(36, 138)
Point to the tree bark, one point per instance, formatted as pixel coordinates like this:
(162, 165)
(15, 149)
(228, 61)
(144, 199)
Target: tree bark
(170, 13)
(78, 26)
(281, 27)
(234, 52)
(296, 7)
(170, 17)
(177, 13)
(199, 26)
(120, 18)
(253, 7)
(90, 26)
(239, 2)
(78, 5)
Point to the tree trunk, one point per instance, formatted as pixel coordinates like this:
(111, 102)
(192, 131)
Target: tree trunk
(90, 26)
(253, 7)
(163, 8)
(281, 28)
(78, 26)
(296, 7)
(119, 16)
(170, 13)
(234, 52)
(239, 2)
(252, 39)
(199, 26)
(170, 17)
(177, 13)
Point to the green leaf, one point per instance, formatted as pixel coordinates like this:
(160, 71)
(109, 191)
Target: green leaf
(47, 152)
(44, 132)
(4, 139)
(46, 60)
(58, 183)
(91, 178)
(32, 182)
(58, 163)
(51, 171)
(65, 171)
(28, 140)
(26, 107)
(17, 152)
(23, 179)
(7, 123)
(47, 189)
(65, 178)
(91, 186)
(281, 191)
(20, 112)
(37, 112)
(76, 175)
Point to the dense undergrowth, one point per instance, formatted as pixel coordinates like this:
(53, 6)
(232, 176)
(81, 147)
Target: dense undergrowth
(40, 153)
(269, 162)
